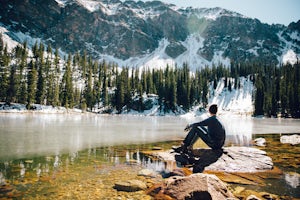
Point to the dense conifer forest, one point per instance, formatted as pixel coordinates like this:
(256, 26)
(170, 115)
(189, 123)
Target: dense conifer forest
(81, 82)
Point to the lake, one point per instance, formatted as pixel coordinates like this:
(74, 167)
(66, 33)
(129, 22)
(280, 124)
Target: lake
(33, 144)
(23, 135)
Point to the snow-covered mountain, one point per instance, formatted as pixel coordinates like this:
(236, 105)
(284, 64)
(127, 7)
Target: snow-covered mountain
(149, 34)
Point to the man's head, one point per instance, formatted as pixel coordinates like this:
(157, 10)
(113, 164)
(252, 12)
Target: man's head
(213, 109)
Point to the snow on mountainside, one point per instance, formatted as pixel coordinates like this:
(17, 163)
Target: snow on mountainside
(149, 34)
(209, 13)
(290, 57)
(8, 40)
(159, 59)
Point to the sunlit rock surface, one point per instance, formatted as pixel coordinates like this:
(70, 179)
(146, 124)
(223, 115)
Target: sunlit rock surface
(196, 186)
(231, 159)
(241, 159)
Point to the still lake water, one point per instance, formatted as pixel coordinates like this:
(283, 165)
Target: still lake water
(30, 138)
(23, 135)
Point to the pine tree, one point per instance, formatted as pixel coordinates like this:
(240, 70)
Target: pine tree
(215, 83)
(296, 109)
(119, 93)
(83, 64)
(66, 96)
(259, 97)
(1, 43)
(105, 85)
(150, 84)
(40, 95)
(88, 93)
(31, 82)
(144, 81)
(128, 89)
(56, 61)
(35, 50)
(173, 91)
(204, 92)
(12, 86)
(4, 81)
(22, 93)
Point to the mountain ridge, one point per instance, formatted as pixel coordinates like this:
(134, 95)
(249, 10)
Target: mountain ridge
(150, 34)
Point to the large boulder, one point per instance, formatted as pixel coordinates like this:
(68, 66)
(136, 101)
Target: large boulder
(197, 186)
(230, 159)
(241, 159)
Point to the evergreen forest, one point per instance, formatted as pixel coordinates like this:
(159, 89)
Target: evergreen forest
(78, 81)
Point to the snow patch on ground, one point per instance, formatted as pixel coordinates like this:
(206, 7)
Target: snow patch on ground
(237, 101)
(37, 108)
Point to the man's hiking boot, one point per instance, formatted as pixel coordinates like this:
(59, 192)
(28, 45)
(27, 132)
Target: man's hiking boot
(180, 149)
(183, 150)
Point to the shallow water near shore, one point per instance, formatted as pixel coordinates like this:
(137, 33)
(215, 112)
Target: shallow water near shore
(74, 162)
(92, 173)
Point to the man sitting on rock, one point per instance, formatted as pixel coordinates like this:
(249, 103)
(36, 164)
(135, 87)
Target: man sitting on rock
(213, 135)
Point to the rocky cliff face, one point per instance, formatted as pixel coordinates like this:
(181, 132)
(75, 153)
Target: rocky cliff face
(124, 30)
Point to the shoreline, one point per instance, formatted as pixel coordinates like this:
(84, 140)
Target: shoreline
(46, 109)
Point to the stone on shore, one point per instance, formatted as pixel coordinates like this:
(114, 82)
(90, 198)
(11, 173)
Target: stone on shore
(197, 186)
(242, 159)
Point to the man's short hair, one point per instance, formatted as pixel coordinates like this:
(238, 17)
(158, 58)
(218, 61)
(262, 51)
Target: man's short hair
(213, 109)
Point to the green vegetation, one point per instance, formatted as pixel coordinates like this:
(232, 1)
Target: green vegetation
(84, 83)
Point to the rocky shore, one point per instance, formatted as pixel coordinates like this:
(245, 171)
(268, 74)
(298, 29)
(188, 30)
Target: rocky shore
(216, 171)
(154, 172)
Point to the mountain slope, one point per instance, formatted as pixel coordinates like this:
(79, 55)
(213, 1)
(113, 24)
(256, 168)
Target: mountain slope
(149, 34)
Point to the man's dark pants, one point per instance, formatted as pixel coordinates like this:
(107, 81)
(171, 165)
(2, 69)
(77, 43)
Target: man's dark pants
(202, 133)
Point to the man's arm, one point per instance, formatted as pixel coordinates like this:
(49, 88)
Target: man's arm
(202, 123)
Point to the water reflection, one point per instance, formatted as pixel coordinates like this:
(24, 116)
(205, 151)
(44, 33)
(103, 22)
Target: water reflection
(49, 166)
(2, 179)
(26, 135)
(22, 170)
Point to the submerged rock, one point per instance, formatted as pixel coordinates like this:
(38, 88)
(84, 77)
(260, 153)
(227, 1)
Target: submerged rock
(290, 139)
(130, 185)
(261, 142)
(293, 179)
(252, 197)
(147, 173)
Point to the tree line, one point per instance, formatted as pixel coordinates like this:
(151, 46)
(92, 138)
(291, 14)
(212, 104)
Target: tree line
(42, 77)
